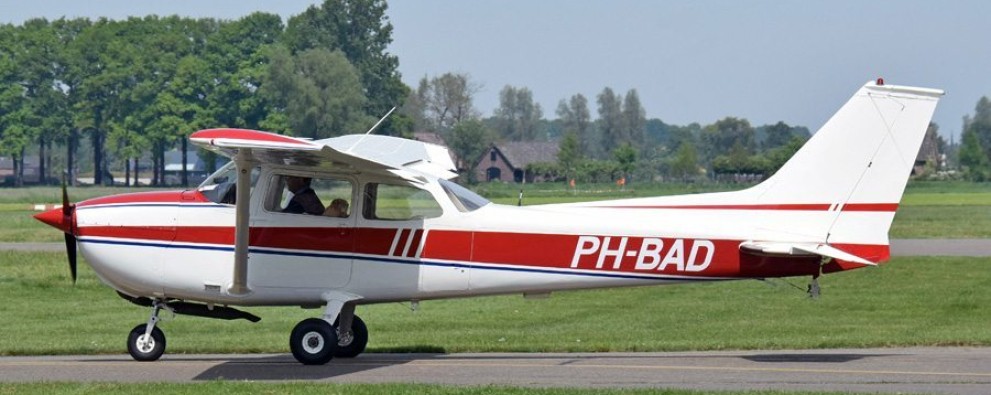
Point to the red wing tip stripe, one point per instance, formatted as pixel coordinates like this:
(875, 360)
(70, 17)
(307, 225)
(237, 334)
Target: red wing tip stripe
(245, 135)
(873, 207)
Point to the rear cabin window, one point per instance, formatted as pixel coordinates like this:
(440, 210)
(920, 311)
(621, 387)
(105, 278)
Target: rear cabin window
(398, 203)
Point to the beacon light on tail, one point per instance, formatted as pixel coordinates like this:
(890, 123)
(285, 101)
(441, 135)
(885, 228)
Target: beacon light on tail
(362, 219)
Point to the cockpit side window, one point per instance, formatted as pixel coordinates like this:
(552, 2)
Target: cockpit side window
(319, 195)
(398, 203)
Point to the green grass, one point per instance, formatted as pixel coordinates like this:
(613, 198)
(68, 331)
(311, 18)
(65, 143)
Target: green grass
(945, 222)
(909, 302)
(226, 387)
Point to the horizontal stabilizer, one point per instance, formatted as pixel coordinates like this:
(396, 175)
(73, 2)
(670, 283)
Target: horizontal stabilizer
(802, 249)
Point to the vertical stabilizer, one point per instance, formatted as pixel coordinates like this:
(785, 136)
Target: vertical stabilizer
(858, 163)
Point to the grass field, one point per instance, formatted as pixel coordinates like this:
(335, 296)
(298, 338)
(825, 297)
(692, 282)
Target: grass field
(909, 302)
(928, 209)
(222, 387)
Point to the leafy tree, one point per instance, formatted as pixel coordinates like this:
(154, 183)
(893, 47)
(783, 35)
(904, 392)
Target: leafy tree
(780, 155)
(518, 115)
(610, 119)
(67, 31)
(318, 91)
(440, 103)
(684, 165)
(468, 141)
(361, 30)
(238, 60)
(626, 156)
(728, 134)
(598, 171)
(973, 158)
(776, 135)
(569, 154)
(634, 120)
(979, 126)
(576, 119)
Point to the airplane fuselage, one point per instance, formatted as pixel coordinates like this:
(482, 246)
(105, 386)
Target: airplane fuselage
(180, 245)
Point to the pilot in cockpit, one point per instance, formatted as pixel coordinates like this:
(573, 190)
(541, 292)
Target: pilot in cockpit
(304, 199)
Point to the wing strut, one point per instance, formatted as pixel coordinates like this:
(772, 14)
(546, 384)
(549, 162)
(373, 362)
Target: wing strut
(241, 224)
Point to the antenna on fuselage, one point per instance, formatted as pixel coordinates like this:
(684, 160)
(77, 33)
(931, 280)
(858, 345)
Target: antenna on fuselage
(376, 125)
(520, 202)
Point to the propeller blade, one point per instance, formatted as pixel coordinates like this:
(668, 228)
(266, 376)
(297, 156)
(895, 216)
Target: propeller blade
(70, 239)
(70, 248)
(66, 210)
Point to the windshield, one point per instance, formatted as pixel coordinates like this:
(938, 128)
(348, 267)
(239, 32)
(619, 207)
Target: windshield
(464, 199)
(219, 187)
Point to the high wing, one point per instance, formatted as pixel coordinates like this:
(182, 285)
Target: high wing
(413, 161)
(408, 159)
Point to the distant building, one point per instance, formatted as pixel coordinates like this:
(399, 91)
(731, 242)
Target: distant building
(196, 169)
(507, 161)
(32, 170)
(929, 153)
(429, 137)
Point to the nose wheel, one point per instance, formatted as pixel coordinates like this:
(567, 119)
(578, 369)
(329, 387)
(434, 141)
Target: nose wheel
(144, 346)
(146, 342)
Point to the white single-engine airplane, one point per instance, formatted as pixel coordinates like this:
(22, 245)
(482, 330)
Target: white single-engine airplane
(391, 227)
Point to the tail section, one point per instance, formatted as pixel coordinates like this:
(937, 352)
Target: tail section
(857, 164)
(836, 197)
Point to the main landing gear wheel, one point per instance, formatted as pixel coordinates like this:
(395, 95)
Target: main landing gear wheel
(313, 342)
(352, 342)
(144, 347)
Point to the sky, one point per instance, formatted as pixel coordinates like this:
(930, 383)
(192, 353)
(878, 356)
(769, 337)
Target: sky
(690, 61)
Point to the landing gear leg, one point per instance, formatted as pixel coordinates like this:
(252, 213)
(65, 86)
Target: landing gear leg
(352, 334)
(146, 342)
(814, 287)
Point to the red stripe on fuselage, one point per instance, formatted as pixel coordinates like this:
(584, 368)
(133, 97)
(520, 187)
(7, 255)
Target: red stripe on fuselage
(874, 207)
(618, 254)
(878, 207)
(414, 244)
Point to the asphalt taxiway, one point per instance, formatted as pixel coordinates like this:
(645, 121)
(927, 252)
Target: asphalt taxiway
(895, 370)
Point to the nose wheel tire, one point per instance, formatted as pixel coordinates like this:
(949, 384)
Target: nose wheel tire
(353, 342)
(143, 347)
(313, 342)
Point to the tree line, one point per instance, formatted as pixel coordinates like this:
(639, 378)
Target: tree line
(617, 142)
(140, 86)
(123, 90)
(975, 147)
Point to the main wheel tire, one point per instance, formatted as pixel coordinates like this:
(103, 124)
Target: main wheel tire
(143, 349)
(313, 342)
(352, 343)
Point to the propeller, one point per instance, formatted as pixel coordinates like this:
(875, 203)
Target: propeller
(68, 209)
(64, 220)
